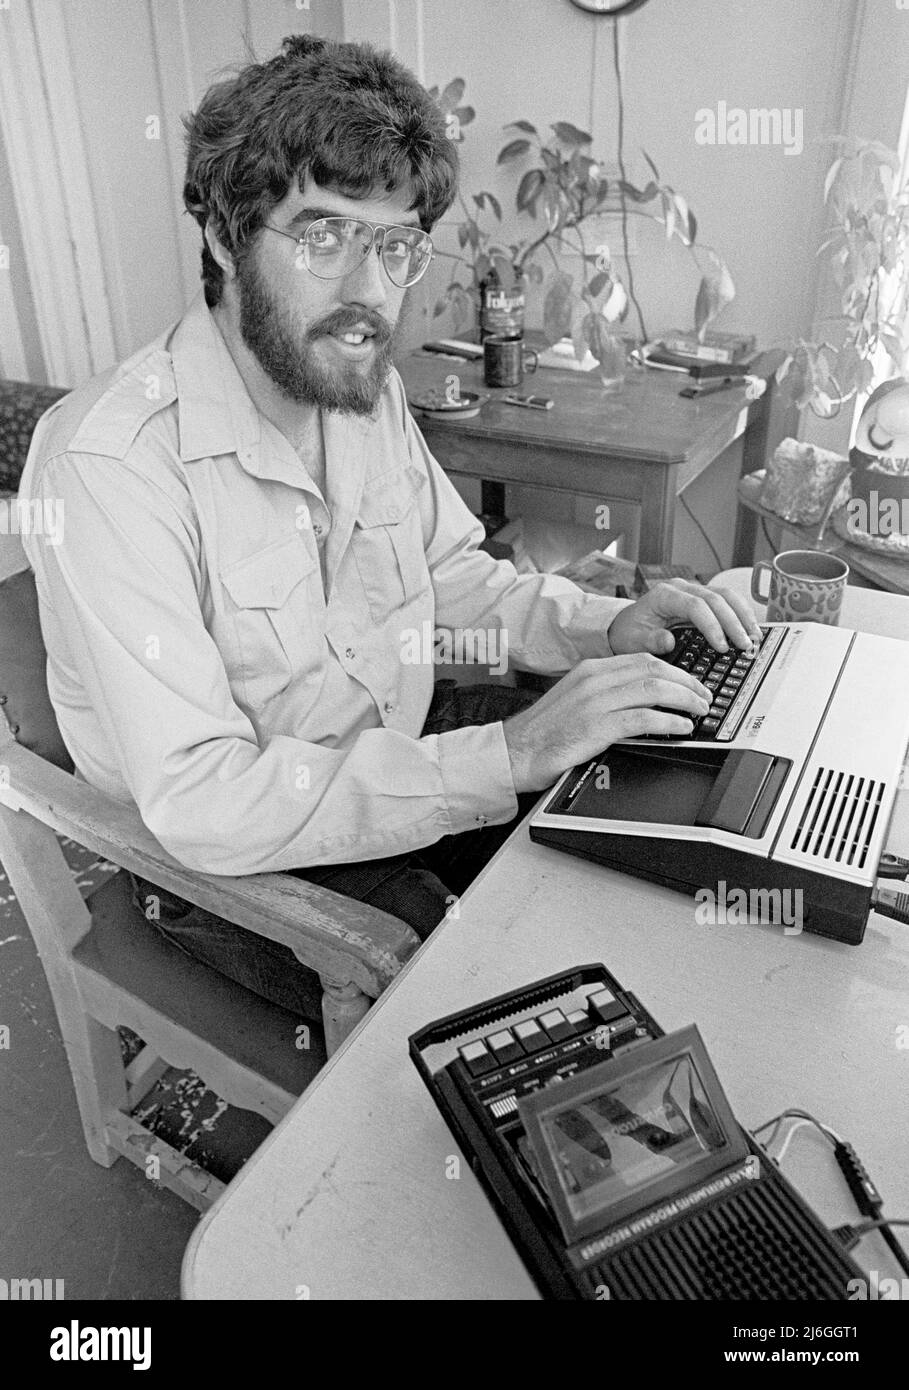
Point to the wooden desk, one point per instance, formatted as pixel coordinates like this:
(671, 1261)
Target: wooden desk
(644, 444)
(349, 1197)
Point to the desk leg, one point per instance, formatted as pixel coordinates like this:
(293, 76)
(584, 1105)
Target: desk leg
(772, 419)
(658, 491)
(492, 505)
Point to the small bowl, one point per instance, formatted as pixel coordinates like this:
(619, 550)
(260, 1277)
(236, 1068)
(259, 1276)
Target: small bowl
(437, 405)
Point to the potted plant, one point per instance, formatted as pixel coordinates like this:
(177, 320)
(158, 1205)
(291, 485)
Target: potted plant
(562, 187)
(867, 247)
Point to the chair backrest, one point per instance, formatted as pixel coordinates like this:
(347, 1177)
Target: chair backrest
(23, 660)
(23, 672)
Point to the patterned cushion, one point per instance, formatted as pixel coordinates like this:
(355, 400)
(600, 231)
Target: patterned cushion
(21, 407)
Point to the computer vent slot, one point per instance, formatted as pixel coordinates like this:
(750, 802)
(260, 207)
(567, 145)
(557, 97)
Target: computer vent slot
(838, 819)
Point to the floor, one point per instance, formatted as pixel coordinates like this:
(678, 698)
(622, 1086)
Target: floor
(108, 1233)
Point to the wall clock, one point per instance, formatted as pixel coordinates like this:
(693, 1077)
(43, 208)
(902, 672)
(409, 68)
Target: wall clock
(609, 7)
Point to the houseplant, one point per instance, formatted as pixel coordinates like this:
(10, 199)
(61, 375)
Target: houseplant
(562, 187)
(867, 250)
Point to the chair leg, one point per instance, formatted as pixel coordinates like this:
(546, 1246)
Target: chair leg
(99, 1078)
(343, 1005)
(58, 919)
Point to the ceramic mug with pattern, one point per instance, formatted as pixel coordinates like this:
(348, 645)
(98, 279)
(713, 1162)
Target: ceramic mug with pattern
(804, 586)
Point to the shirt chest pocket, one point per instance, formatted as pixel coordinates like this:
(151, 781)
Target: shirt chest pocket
(387, 541)
(277, 616)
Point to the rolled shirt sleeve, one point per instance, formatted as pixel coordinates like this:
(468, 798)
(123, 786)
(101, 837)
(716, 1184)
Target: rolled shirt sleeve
(126, 586)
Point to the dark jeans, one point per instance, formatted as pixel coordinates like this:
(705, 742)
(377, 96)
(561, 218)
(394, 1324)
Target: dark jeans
(417, 887)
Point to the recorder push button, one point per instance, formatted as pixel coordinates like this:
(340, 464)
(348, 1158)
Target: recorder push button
(605, 1006)
(531, 1035)
(557, 1025)
(477, 1058)
(505, 1047)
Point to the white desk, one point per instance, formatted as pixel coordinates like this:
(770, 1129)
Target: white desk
(348, 1198)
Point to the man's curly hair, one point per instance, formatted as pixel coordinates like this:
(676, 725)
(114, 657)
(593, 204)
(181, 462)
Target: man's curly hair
(355, 119)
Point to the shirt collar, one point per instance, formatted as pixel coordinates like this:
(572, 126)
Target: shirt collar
(216, 414)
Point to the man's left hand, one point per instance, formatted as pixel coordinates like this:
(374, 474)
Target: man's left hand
(719, 614)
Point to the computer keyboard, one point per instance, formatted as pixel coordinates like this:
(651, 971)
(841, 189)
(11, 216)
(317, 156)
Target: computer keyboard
(732, 678)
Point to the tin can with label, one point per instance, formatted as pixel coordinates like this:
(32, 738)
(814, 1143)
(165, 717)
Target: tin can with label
(501, 309)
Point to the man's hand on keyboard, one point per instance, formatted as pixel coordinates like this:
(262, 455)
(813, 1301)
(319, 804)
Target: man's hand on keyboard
(600, 701)
(718, 613)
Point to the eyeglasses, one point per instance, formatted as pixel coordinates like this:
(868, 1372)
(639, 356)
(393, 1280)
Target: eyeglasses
(334, 246)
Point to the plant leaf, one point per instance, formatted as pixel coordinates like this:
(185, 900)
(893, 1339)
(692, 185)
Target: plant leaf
(523, 125)
(557, 307)
(715, 291)
(570, 134)
(453, 93)
(495, 205)
(465, 114)
(503, 270)
(598, 283)
(654, 169)
(528, 188)
(512, 150)
(831, 176)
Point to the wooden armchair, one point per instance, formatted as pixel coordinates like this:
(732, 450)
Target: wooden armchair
(107, 966)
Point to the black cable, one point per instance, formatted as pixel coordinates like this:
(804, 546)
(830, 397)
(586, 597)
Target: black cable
(864, 1193)
(767, 536)
(624, 178)
(851, 1235)
(711, 547)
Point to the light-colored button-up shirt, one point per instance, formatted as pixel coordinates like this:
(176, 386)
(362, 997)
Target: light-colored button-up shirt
(262, 716)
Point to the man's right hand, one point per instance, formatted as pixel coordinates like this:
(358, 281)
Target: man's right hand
(600, 701)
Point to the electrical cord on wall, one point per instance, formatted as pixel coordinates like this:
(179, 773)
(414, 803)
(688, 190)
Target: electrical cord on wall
(767, 536)
(620, 142)
(710, 545)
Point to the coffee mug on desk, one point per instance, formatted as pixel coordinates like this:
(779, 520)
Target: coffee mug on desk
(805, 586)
(505, 360)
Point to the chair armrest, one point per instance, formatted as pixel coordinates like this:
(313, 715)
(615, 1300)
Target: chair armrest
(341, 938)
